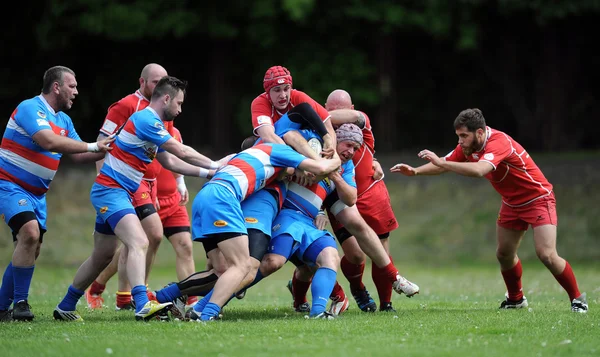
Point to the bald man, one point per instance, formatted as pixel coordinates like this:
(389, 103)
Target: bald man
(143, 199)
(362, 229)
(373, 203)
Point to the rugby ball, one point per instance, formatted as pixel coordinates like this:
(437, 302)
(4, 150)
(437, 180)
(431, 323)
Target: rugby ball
(315, 145)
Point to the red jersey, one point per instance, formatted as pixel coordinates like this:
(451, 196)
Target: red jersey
(166, 186)
(117, 115)
(264, 113)
(515, 176)
(363, 160)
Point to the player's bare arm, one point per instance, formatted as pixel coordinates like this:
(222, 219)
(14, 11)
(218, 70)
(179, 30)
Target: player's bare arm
(321, 167)
(346, 193)
(472, 169)
(298, 143)
(175, 164)
(267, 134)
(329, 140)
(188, 155)
(426, 170)
(50, 141)
(100, 162)
(343, 116)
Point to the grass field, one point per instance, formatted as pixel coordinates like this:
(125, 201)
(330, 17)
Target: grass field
(456, 314)
(445, 244)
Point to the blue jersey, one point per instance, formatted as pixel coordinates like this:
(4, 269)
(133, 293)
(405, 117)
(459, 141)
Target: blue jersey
(22, 160)
(135, 147)
(253, 168)
(309, 200)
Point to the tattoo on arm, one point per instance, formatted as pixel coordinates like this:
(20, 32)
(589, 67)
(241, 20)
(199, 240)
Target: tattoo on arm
(361, 121)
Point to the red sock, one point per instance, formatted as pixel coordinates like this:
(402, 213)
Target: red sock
(512, 279)
(299, 289)
(123, 298)
(354, 273)
(96, 288)
(382, 283)
(337, 293)
(390, 272)
(567, 280)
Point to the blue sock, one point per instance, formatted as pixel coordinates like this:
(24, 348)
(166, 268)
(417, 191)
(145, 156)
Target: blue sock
(22, 280)
(168, 293)
(69, 302)
(139, 296)
(321, 287)
(7, 289)
(210, 310)
(199, 306)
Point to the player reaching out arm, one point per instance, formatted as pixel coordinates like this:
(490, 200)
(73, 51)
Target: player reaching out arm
(527, 199)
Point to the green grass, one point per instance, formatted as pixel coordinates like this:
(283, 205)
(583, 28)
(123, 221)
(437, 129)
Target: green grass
(454, 315)
(445, 243)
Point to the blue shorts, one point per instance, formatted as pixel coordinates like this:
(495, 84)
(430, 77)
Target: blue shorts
(260, 209)
(282, 244)
(111, 204)
(301, 228)
(14, 199)
(215, 210)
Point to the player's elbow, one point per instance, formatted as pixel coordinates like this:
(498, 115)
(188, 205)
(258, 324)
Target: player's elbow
(350, 199)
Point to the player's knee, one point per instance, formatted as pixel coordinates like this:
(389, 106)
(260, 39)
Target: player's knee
(154, 237)
(329, 258)
(29, 235)
(547, 256)
(353, 253)
(183, 248)
(271, 263)
(139, 242)
(504, 255)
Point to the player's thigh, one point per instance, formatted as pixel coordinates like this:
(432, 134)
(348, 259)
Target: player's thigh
(508, 241)
(130, 231)
(544, 239)
(105, 245)
(24, 213)
(217, 261)
(153, 227)
(235, 250)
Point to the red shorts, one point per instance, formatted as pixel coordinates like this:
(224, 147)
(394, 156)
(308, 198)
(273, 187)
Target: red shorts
(146, 194)
(171, 213)
(538, 213)
(375, 207)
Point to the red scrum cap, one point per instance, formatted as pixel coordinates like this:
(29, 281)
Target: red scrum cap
(275, 76)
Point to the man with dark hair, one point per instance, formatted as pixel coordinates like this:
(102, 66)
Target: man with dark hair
(143, 199)
(527, 199)
(38, 133)
(142, 139)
